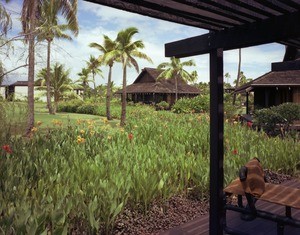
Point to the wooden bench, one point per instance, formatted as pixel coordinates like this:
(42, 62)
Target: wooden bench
(251, 184)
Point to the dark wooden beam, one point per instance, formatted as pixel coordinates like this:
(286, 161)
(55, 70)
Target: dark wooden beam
(158, 13)
(267, 31)
(216, 142)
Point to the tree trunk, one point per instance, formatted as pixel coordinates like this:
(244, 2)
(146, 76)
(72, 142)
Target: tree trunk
(123, 112)
(108, 91)
(238, 76)
(84, 91)
(94, 83)
(30, 120)
(176, 88)
(48, 79)
(56, 99)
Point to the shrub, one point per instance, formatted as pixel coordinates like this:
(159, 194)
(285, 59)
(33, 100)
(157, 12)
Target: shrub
(289, 111)
(163, 105)
(198, 104)
(70, 106)
(271, 119)
(87, 109)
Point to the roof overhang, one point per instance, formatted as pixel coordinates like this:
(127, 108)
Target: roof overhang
(232, 24)
(256, 33)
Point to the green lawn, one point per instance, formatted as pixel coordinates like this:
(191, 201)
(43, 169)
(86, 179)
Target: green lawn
(41, 114)
(14, 119)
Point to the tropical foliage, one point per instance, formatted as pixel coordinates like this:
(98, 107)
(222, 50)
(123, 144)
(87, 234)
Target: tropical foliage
(31, 12)
(93, 67)
(175, 70)
(60, 82)
(48, 28)
(107, 47)
(198, 104)
(277, 119)
(126, 51)
(84, 81)
(85, 174)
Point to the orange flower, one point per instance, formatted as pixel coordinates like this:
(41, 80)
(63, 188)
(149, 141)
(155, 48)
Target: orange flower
(130, 136)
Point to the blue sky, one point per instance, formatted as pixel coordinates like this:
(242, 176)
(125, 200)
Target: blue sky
(96, 20)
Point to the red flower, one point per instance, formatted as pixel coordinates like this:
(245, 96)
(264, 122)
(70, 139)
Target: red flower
(249, 124)
(7, 149)
(130, 136)
(235, 152)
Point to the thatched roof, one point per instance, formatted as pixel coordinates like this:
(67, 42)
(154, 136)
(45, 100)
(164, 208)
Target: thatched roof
(280, 76)
(147, 82)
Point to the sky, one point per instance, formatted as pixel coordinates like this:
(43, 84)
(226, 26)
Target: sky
(96, 20)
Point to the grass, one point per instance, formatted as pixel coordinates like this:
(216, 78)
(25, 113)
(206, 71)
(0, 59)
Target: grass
(41, 114)
(13, 118)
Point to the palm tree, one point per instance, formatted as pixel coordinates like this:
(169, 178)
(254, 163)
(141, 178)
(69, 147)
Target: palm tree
(28, 18)
(108, 46)
(59, 82)
(93, 66)
(31, 11)
(126, 50)
(84, 80)
(5, 20)
(49, 28)
(175, 69)
(238, 75)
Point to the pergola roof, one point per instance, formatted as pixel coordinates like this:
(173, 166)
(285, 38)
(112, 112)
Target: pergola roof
(232, 24)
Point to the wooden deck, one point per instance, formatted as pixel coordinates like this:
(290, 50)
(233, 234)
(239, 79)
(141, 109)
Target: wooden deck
(258, 226)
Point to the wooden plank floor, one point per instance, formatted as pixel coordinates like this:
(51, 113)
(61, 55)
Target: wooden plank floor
(200, 226)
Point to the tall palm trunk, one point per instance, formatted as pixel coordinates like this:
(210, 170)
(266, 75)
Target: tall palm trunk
(108, 91)
(123, 112)
(176, 88)
(30, 120)
(55, 105)
(238, 76)
(48, 78)
(84, 91)
(94, 84)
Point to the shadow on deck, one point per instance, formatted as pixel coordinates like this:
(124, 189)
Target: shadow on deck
(258, 226)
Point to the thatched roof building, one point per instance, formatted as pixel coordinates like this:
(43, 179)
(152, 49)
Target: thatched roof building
(280, 85)
(147, 89)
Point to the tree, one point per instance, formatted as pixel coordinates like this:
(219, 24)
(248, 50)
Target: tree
(28, 18)
(84, 80)
(243, 79)
(174, 70)
(59, 82)
(238, 76)
(5, 20)
(49, 28)
(31, 11)
(93, 66)
(126, 50)
(108, 46)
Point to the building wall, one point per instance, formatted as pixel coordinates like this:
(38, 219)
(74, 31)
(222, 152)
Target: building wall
(296, 95)
(21, 92)
(2, 92)
(272, 96)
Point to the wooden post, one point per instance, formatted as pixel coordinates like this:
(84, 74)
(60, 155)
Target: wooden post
(247, 102)
(216, 142)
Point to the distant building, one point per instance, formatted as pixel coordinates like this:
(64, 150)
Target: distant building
(148, 89)
(280, 85)
(15, 87)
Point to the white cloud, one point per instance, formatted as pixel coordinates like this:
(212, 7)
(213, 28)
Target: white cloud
(96, 20)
